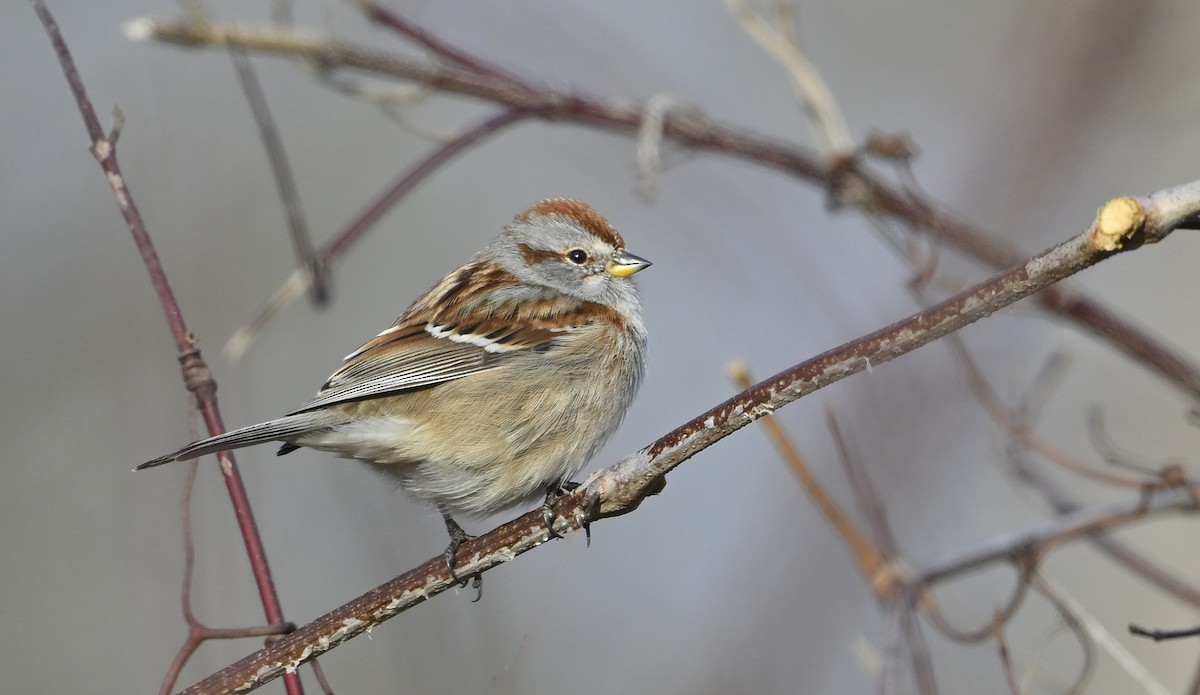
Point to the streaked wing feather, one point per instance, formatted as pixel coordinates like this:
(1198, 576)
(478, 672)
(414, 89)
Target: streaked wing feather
(411, 356)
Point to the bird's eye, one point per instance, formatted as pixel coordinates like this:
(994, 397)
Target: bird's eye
(577, 256)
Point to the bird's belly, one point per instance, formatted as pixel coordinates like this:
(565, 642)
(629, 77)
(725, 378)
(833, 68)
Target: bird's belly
(483, 443)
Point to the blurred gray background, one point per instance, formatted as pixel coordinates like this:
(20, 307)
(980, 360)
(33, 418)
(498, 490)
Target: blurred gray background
(1028, 116)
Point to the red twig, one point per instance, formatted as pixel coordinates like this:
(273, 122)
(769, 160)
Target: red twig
(196, 375)
(198, 632)
(441, 49)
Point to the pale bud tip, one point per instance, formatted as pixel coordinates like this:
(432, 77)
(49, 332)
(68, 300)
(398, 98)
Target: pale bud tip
(140, 29)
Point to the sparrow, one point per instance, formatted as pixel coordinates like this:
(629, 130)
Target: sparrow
(496, 385)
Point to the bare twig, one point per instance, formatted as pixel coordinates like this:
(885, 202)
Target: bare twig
(1160, 635)
(1103, 639)
(306, 257)
(1038, 540)
(1108, 450)
(779, 39)
(851, 183)
(1002, 648)
(1019, 429)
(1074, 623)
(869, 503)
(198, 633)
(444, 51)
(874, 566)
(1060, 500)
(878, 559)
(918, 651)
(195, 372)
(295, 285)
(1025, 562)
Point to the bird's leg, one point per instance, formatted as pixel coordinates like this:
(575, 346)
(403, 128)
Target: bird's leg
(553, 491)
(457, 537)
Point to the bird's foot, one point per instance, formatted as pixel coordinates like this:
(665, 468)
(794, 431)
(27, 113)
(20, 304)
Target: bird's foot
(457, 537)
(553, 492)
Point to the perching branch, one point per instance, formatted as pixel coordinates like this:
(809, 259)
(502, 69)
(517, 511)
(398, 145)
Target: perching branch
(847, 181)
(1122, 224)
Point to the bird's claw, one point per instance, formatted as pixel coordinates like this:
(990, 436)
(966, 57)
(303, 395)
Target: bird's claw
(553, 492)
(457, 537)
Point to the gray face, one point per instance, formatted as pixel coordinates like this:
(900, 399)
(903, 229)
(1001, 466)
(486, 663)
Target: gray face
(551, 251)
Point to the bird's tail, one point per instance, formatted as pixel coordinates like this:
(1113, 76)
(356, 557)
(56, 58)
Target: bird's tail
(283, 429)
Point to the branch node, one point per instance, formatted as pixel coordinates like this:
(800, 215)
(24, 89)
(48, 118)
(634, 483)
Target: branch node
(101, 150)
(196, 375)
(891, 579)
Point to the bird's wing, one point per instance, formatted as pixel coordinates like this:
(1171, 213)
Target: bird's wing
(410, 355)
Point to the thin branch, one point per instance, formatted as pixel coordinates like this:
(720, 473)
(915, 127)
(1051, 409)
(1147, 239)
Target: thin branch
(451, 54)
(1037, 541)
(918, 651)
(779, 39)
(1075, 624)
(414, 176)
(1102, 638)
(1108, 450)
(1062, 503)
(189, 563)
(620, 488)
(869, 503)
(306, 257)
(1025, 563)
(295, 285)
(849, 182)
(196, 374)
(1147, 569)
(874, 566)
(1160, 635)
(199, 633)
(877, 560)
(1005, 661)
(1018, 428)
